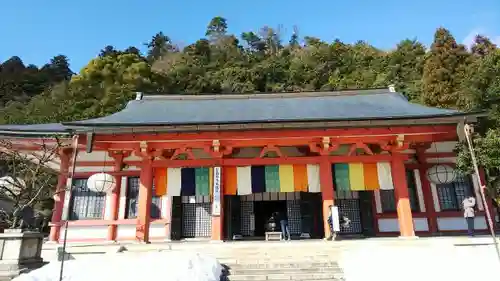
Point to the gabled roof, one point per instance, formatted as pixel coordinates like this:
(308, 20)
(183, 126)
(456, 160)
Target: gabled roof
(380, 104)
(376, 107)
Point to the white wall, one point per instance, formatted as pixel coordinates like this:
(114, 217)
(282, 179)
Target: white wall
(125, 231)
(458, 223)
(157, 230)
(77, 232)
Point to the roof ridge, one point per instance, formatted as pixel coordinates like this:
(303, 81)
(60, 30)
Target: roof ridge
(269, 95)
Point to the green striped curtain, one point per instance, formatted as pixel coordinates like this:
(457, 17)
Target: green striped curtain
(272, 174)
(342, 177)
(202, 181)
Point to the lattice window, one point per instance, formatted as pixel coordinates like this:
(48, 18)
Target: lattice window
(451, 195)
(388, 199)
(196, 220)
(294, 216)
(247, 224)
(84, 203)
(351, 209)
(133, 184)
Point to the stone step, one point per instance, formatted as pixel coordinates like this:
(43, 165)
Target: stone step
(223, 247)
(257, 255)
(288, 271)
(267, 257)
(276, 260)
(285, 276)
(289, 265)
(268, 251)
(306, 279)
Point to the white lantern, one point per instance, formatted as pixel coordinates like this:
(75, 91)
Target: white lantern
(441, 174)
(101, 182)
(11, 184)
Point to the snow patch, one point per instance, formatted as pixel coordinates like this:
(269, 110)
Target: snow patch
(155, 266)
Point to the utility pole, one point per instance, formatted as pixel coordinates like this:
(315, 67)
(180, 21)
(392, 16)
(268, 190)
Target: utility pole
(468, 130)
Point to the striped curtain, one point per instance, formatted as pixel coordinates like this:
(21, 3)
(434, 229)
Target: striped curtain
(202, 181)
(300, 180)
(276, 178)
(273, 178)
(360, 176)
(286, 178)
(160, 182)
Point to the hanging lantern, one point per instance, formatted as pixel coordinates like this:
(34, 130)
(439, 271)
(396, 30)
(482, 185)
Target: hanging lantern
(13, 185)
(101, 182)
(441, 174)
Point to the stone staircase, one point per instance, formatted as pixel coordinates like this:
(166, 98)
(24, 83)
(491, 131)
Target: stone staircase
(296, 260)
(293, 261)
(284, 270)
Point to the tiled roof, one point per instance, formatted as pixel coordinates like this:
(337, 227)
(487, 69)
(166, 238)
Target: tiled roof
(266, 108)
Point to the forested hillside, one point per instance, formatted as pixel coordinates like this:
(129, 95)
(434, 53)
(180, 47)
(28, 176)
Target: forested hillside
(445, 74)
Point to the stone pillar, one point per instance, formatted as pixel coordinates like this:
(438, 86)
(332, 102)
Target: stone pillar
(327, 193)
(145, 199)
(405, 218)
(62, 179)
(217, 205)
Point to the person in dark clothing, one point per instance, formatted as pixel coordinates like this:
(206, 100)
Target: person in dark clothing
(285, 230)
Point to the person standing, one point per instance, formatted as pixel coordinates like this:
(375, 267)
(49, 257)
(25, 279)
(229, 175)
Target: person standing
(468, 205)
(330, 224)
(285, 230)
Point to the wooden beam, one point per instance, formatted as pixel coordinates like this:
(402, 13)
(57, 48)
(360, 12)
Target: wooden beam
(280, 133)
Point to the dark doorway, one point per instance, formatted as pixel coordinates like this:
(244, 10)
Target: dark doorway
(311, 208)
(367, 219)
(263, 211)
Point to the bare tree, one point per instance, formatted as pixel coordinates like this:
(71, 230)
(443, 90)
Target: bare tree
(29, 178)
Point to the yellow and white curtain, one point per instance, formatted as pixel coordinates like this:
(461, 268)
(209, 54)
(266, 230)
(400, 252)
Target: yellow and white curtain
(363, 176)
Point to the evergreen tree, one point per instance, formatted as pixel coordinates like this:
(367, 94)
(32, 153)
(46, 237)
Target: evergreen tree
(159, 45)
(443, 70)
(482, 46)
(405, 67)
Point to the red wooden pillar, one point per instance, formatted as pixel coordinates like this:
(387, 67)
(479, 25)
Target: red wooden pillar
(144, 204)
(218, 199)
(115, 196)
(115, 203)
(59, 196)
(327, 194)
(405, 218)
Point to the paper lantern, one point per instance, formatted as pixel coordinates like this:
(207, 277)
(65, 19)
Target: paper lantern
(441, 174)
(101, 182)
(12, 185)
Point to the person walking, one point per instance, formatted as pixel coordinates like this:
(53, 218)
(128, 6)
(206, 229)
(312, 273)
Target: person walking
(343, 221)
(468, 205)
(285, 230)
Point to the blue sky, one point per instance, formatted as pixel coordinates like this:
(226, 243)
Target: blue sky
(37, 30)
